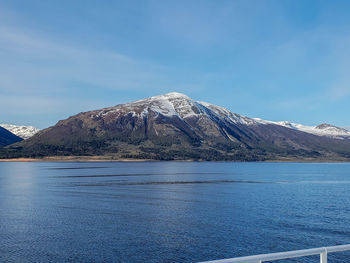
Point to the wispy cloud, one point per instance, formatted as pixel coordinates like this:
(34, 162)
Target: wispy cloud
(35, 59)
(36, 71)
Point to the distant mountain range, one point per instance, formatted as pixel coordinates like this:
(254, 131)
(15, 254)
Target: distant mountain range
(176, 127)
(24, 132)
(323, 129)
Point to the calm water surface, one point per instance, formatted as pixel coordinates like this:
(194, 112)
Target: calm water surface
(170, 211)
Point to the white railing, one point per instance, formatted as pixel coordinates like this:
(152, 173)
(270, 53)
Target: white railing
(322, 251)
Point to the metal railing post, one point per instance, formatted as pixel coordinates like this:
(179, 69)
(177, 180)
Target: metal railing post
(323, 256)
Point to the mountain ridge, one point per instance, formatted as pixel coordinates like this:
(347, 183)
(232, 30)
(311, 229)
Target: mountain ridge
(7, 137)
(323, 129)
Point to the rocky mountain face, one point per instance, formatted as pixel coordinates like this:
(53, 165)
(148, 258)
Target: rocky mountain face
(174, 126)
(25, 132)
(7, 138)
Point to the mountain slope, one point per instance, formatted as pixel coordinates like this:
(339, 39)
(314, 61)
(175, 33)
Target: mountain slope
(24, 132)
(7, 138)
(173, 126)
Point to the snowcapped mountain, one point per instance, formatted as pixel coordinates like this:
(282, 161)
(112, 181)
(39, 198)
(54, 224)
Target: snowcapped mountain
(180, 105)
(329, 129)
(176, 104)
(324, 129)
(174, 126)
(24, 132)
(173, 104)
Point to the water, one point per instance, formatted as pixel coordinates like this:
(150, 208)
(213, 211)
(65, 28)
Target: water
(170, 211)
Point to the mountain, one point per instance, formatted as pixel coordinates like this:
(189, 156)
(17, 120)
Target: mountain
(24, 132)
(323, 129)
(176, 127)
(7, 138)
(332, 130)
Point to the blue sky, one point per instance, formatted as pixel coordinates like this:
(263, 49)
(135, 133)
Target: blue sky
(276, 60)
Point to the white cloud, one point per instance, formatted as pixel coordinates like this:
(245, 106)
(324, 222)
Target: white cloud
(33, 62)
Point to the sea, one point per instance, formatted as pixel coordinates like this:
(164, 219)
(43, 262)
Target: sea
(170, 211)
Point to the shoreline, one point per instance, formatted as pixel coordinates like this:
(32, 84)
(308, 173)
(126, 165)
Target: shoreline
(111, 159)
(73, 159)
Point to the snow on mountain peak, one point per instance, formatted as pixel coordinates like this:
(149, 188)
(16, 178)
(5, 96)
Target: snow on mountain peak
(331, 128)
(24, 132)
(167, 96)
(175, 104)
(173, 95)
(170, 104)
(320, 130)
(179, 104)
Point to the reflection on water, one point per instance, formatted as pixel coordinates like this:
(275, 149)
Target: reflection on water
(170, 211)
